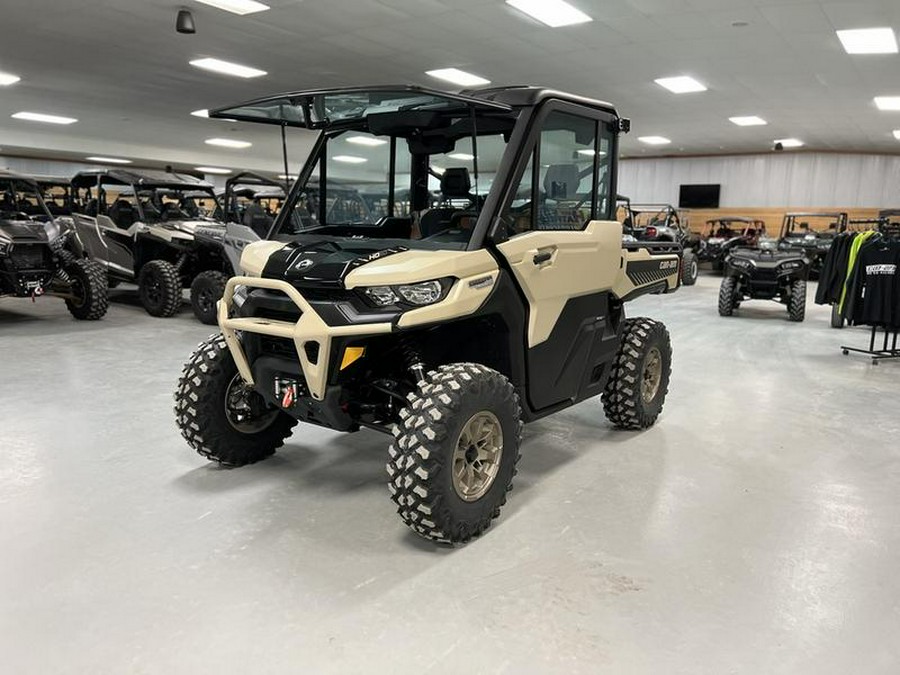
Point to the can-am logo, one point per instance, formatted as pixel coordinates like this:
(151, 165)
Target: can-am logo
(886, 270)
(304, 265)
(668, 265)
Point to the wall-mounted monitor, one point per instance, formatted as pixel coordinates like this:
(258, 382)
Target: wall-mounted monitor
(699, 196)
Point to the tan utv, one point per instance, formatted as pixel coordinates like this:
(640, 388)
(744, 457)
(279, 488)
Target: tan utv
(487, 293)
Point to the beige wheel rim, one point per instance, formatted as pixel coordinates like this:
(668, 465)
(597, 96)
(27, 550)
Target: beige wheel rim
(476, 457)
(652, 375)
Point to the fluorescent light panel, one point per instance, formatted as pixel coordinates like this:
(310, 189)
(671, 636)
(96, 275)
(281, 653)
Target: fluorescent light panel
(458, 77)
(682, 84)
(748, 121)
(654, 140)
(109, 160)
(464, 156)
(897, 134)
(350, 159)
(883, 102)
(228, 143)
(554, 13)
(366, 140)
(42, 117)
(201, 113)
(212, 169)
(7, 79)
(227, 68)
(791, 142)
(239, 7)
(868, 41)
(284, 176)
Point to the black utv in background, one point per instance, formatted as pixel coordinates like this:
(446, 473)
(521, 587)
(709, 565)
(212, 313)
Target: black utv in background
(764, 274)
(35, 255)
(726, 234)
(811, 234)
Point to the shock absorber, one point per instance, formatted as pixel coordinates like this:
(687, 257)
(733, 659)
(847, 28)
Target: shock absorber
(413, 358)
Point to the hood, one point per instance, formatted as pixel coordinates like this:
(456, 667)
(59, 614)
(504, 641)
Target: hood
(326, 262)
(24, 232)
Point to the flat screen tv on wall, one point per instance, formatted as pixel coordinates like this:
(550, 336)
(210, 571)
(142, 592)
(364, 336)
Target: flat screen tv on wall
(699, 196)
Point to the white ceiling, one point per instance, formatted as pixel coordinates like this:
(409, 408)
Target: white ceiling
(121, 69)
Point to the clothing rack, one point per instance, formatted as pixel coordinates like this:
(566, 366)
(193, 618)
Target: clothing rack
(882, 354)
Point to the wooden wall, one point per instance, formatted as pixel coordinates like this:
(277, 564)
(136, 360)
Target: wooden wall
(771, 216)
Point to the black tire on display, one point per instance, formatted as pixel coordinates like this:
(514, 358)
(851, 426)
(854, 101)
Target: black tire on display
(87, 281)
(837, 321)
(639, 380)
(159, 287)
(220, 416)
(455, 451)
(206, 290)
(797, 301)
(727, 300)
(690, 269)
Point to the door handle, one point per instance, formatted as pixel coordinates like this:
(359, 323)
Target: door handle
(541, 258)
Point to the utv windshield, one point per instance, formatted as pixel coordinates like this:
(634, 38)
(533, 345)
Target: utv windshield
(163, 204)
(20, 200)
(413, 177)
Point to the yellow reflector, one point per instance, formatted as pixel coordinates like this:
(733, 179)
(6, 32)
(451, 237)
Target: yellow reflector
(351, 356)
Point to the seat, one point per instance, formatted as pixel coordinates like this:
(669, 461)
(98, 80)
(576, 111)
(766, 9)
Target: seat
(122, 213)
(560, 185)
(456, 184)
(256, 218)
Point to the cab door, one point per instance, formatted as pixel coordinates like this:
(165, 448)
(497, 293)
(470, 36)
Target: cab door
(564, 251)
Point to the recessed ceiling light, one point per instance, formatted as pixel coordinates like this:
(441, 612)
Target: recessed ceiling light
(41, 117)
(239, 7)
(457, 76)
(108, 160)
(883, 102)
(212, 169)
(7, 79)
(748, 121)
(349, 159)
(654, 140)
(464, 156)
(897, 134)
(681, 85)
(227, 68)
(284, 176)
(439, 170)
(366, 140)
(227, 143)
(790, 142)
(554, 13)
(869, 41)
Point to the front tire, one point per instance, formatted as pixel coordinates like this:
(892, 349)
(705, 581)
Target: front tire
(206, 290)
(159, 287)
(728, 296)
(690, 269)
(221, 417)
(87, 281)
(797, 301)
(639, 379)
(455, 451)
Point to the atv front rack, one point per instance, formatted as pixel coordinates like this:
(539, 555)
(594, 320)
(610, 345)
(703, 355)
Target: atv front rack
(309, 329)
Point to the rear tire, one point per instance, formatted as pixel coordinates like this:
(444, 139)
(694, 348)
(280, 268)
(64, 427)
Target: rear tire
(837, 321)
(690, 269)
(217, 418)
(455, 451)
(797, 301)
(88, 284)
(727, 299)
(639, 379)
(159, 287)
(206, 290)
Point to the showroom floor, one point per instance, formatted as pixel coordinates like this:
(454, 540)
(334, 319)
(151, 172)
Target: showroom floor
(755, 529)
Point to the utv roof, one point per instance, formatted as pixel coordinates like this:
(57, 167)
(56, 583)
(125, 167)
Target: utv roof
(349, 106)
(147, 178)
(17, 176)
(653, 207)
(824, 214)
(733, 219)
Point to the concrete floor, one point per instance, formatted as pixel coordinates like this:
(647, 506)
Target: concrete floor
(755, 529)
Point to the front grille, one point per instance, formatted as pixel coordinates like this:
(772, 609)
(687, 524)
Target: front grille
(31, 256)
(262, 303)
(281, 347)
(765, 276)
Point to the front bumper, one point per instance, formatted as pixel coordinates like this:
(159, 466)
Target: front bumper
(311, 335)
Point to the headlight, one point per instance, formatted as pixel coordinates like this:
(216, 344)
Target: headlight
(5, 247)
(790, 265)
(419, 294)
(742, 263)
(240, 296)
